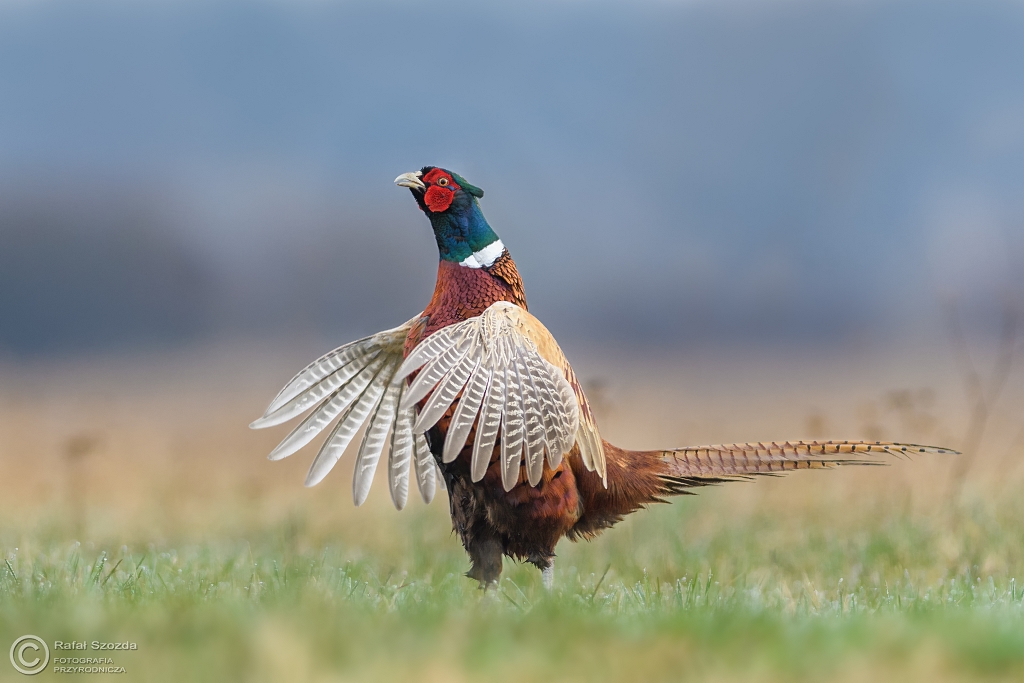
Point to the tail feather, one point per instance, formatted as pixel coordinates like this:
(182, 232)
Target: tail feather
(704, 465)
(637, 479)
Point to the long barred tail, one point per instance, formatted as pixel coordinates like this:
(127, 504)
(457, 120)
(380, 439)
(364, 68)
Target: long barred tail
(704, 465)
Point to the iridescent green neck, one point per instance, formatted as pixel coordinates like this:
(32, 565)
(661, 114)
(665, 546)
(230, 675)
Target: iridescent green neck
(462, 232)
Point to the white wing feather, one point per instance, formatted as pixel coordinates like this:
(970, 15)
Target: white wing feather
(373, 442)
(490, 364)
(426, 469)
(357, 382)
(400, 458)
(320, 418)
(343, 433)
(507, 388)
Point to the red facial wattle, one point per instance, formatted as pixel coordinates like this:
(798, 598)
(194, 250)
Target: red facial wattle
(441, 188)
(438, 198)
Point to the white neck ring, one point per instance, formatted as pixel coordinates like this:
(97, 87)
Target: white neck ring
(486, 257)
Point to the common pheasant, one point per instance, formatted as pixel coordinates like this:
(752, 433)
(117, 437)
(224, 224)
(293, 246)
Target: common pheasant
(474, 396)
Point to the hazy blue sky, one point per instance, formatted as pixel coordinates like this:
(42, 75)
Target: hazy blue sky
(666, 172)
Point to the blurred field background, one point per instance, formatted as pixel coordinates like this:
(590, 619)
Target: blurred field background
(743, 220)
(137, 506)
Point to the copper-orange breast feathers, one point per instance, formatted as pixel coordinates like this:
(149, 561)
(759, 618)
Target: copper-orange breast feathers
(462, 292)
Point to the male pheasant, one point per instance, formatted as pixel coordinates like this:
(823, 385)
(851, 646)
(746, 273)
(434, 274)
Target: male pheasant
(474, 395)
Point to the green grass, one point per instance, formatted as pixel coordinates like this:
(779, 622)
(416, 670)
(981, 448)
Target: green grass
(692, 591)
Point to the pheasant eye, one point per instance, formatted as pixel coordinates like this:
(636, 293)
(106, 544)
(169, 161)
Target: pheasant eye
(442, 181)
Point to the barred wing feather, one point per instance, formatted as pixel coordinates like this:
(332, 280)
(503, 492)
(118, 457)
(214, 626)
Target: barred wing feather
(514, 382)
(359, 383)
(400, 458)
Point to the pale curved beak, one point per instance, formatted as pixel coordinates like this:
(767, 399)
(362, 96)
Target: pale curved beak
(411, 180)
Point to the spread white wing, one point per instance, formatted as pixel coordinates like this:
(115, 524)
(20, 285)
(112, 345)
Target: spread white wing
(506, 370)
(359, 383)
(504, 367)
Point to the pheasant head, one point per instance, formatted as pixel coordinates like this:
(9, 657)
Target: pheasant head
(462, 233)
